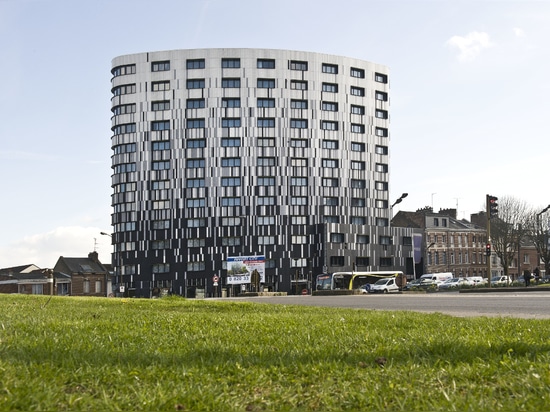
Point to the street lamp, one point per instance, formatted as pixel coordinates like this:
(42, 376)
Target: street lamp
(403, 196)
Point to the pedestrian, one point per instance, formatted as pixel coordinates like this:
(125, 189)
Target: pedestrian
(536, 274)
(527, 277)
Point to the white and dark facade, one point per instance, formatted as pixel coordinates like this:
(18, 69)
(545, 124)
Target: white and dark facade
(242, 152)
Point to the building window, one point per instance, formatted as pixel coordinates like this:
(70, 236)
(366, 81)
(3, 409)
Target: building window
(266, 240)
(298, 104)
(265, 201)
(125, 168)
(330, 182)
(195, 143)
(230, 201)
(161, 268)
(381, 150)
(195, 64)
(358, 220)
(355, 72)
(358, 183)
(124, 89)
(385, 261)
(330, 201)
(331, 219)
(231, 241)
(160, 125)
(190, 183)
(382, 96)
(385, 240)
(330, 87)
(329, 163)
(265, 102)
(265, 161)
(266, 83)
(382, 222)
(303, 143)
(231, 161)
(161, 145)
(298, 123)
(298, 220)
(337, 261)
(330, 68)
(124, 128)
(231, 102)
(160, 66)
(195, 84)
(329, 106)
(357, 128)
(233, 83)
(380, 78)
(357, 147)
(231, 63)
(125, 148)
(298, 65)
(266, 181)
(363, 239)
(160, 105)
(231, 122)
(362, 261)
(124, 70)
(194, 203)
(357, 91)
(355, 109)
(298, 201)
(194, 103)
(231, 221)
(337, 238)
(329, 125)
(196, 242)
(161, 165)
(298, 162)
(160, 244)
(382, 132)
(231, 181)
(196, 266)
(265, 220)
(381, 114)
(124, 109)
(330, 144)
(357, 202)
(160, 86)
(86, 286)
(266, 122)
(298, 181)
(195, 123)
(197, 222)
(195, 163)
(231, 142)
(298, 85)
(355, 165)
(381, 186)
(265, 63)
(381, 168)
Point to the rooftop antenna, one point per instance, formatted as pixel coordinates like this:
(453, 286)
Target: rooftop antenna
(95, 244)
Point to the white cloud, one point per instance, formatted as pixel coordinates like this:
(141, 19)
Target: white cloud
(519, 32)
(471, 45)
(44, 249)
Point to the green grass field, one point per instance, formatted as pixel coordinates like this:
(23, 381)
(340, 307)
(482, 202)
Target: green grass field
(202, 355)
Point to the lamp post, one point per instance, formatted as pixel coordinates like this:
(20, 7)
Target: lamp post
(115, 259)
(403, 196)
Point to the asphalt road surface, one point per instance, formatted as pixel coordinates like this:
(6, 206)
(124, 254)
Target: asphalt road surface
(532, 305)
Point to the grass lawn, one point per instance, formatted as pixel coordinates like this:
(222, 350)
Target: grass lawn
(102, 354)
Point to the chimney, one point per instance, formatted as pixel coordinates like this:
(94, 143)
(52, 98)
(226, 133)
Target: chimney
(93, 256)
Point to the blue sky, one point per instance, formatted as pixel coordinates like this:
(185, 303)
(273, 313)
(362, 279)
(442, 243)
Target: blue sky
(469, 98)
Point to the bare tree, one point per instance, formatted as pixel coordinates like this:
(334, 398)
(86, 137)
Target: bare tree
(539, 227)
(508, 229)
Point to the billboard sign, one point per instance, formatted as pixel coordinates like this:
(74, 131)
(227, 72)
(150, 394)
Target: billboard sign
(241, 268)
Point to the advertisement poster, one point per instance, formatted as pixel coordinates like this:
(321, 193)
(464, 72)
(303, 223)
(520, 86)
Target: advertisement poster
(240, 269)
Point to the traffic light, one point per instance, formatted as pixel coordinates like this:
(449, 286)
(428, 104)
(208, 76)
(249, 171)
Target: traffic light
(488, 249)
(492, 205)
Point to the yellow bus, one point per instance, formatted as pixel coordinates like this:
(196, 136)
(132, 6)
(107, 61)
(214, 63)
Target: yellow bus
(354, 280)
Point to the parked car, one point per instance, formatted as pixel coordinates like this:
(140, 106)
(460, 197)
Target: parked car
(386, 285)
(413, 284)
(477, 280)
(455, 283)
(500, 280)
(365, 288)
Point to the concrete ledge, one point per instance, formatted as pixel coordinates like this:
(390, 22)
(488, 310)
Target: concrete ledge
(514, 289)
(249, 294)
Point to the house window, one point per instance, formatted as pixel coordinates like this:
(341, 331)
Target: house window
(298, 65)
(330, 87)
(330, 68)
(231, 83)
(355, 72)
(195, 64)
(160, 66)
(160, 86)
(265, 63)
(86, 286)
(231, 63)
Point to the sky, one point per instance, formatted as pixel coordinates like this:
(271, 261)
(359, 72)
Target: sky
(469, 96)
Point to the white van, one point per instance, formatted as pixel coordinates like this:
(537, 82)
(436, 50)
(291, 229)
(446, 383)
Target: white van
(437, 278)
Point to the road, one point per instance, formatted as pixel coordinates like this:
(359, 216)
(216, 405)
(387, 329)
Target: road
(533, 305)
